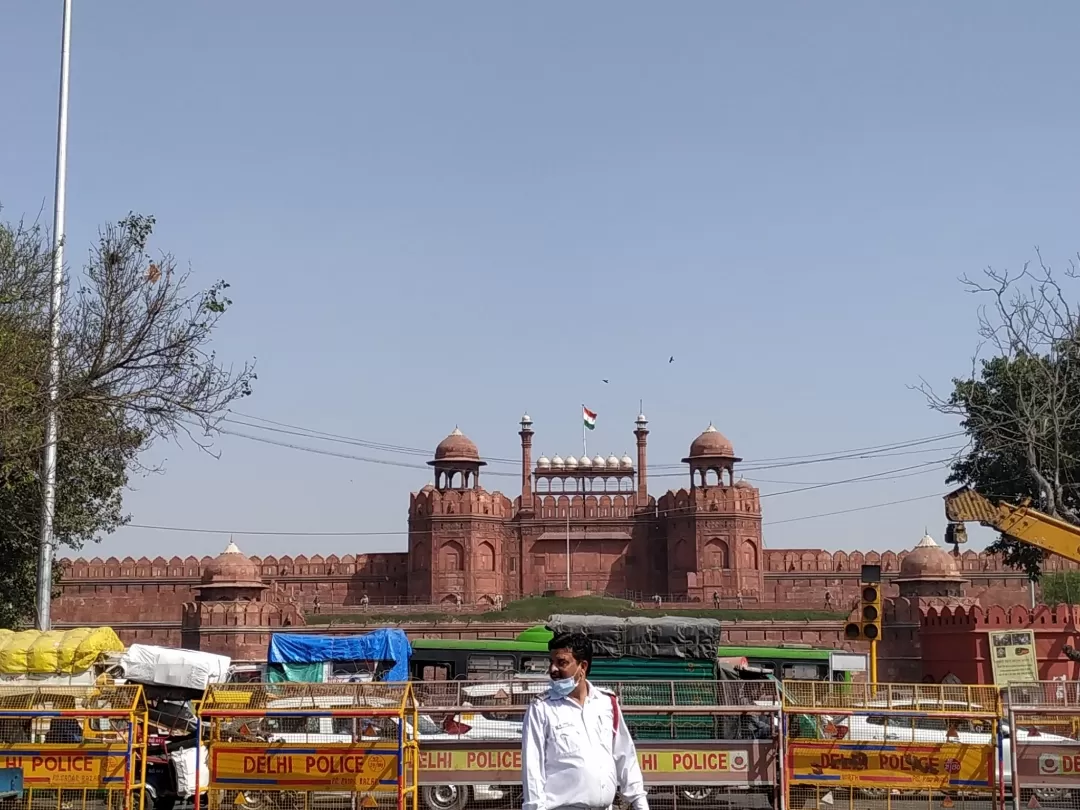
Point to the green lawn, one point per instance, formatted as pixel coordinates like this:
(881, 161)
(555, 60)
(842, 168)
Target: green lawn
(538, 608)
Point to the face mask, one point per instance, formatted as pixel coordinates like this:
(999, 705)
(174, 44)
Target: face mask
(563, 687)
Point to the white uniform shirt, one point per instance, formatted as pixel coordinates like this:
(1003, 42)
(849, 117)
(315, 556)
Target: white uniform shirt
(572, 757)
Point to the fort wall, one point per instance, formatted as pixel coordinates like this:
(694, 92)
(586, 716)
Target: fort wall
(155, 590)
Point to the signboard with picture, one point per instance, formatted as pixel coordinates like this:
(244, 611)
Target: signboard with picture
(1013, 656)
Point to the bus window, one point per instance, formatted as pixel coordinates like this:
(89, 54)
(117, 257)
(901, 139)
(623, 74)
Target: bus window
(800, 672)
(490, 666)
(435, 672)
(535, 666)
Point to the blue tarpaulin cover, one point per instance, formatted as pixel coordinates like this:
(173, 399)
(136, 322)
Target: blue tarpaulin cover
(380, 645)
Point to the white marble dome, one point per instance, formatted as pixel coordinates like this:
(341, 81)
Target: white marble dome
(543, 463)
(585, 462)
(571, 463)
(626, 463)
(557, 463)
(613, 462)
(599, 462)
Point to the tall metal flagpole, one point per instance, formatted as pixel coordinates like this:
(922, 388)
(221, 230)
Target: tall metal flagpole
(48, 467)
(568, 548)
(585, 454)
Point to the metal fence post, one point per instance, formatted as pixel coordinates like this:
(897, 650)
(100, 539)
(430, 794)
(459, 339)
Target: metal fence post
(1014, 764)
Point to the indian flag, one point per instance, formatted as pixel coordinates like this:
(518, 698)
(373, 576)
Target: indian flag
(590, 418)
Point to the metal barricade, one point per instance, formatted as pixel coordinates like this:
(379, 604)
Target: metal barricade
(77, 746)
(1041, 743)
(698, 742)
(298, 746)
(873, 746)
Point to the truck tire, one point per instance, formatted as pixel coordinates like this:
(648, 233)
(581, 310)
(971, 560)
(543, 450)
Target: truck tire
(696, 794)
(445, 797)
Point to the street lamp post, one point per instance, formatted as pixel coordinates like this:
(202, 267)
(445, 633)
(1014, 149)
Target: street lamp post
(48, 466)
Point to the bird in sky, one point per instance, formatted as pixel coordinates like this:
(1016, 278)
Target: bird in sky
(671, 359)
(604, 381)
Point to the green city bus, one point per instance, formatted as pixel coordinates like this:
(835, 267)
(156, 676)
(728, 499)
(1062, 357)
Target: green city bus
(482, 659)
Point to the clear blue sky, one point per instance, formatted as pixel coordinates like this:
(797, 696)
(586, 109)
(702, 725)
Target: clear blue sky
(447, 213)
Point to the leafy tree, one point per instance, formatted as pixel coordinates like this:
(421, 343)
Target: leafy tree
(1020, 405)
(136, 368)
(1061, 588)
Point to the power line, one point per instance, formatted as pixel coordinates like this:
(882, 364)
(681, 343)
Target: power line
(298, 430)
(856, 452)
(745, 468)
(882, 475)
(889, 446)
(902, 449)
(312, 434)
(786, 482)
(855, 509)
(254, 533)
(248, 532)
(338, 454)
(864, 453)
(873, 476)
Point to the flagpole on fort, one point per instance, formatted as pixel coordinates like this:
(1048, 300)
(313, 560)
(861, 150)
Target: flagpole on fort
(568, 548)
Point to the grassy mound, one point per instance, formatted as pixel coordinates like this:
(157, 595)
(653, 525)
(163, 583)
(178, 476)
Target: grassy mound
(537, 609)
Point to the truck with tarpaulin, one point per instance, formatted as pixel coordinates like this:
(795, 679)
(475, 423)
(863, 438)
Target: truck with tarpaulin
(381, 655)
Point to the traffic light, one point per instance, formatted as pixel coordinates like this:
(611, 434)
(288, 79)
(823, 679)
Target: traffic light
(871, 611)
(868, 627)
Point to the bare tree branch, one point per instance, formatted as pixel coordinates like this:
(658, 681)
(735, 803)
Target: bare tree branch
(137, 366)
(1020, 404)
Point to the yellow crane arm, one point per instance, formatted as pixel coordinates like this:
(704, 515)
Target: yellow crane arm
(1021, 523)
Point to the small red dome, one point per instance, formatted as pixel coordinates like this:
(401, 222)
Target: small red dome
(928, 561)
(711, 444)
(457, 447)
(231, 568)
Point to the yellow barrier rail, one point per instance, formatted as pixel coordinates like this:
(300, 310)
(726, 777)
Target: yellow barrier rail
(860, 745)
(817, 697)
(76, 744)
(1044, 726)
(697, 741)
(291, 746)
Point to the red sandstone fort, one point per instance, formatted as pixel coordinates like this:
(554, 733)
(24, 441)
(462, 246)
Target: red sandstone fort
(470, 549)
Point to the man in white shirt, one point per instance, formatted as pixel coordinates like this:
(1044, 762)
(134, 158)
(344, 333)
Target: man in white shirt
(575, 747)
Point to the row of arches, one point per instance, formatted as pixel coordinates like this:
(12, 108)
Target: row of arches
(716, 554)
(454, 599)
(582, 484)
